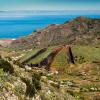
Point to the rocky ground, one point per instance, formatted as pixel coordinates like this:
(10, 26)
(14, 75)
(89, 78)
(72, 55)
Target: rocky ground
(79, 81)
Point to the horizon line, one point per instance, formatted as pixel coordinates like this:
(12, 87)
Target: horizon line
(47, 10)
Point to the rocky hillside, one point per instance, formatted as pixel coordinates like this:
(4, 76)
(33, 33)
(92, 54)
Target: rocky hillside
(79, 81)
(77, 31)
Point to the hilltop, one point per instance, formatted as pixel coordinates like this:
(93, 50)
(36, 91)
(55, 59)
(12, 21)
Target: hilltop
(81, 30)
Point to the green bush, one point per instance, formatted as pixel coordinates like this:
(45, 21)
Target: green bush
(18, 90)
(6, 66)
(79, 59)
(8, 58)
(36, 81)
(77, 96)
(18, 63)
(1, 72)
(90, 88)
(33, 86)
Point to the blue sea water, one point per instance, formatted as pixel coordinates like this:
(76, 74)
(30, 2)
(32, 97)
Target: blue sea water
(15, 27)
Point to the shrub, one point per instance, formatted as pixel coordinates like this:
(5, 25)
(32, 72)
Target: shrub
(77, 96)
(6, 66)
(18, 63)
(18, 90)
(33, 85)
(90, 88)
(80, 59)
(1, 72)
(36, 81)
(8, 58)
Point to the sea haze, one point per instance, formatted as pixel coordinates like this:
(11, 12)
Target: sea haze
(15, 25)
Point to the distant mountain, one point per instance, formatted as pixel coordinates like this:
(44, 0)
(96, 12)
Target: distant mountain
(52, 12)
(81, 30)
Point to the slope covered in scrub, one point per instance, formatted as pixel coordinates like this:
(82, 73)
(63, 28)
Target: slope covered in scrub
(81, 54)
(86, 53)
(60, 62)
(80, 30)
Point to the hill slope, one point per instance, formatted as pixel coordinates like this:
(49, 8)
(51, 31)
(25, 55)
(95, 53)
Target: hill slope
(78, 31)
(59, 57)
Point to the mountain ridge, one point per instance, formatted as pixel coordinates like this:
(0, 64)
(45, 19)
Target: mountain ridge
(80, 30)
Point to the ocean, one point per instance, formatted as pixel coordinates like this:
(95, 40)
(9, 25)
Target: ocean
(15, 27)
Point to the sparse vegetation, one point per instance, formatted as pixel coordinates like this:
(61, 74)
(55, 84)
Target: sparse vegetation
(6, 66)
(63, 81)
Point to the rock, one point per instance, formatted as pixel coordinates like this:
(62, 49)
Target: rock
(28, 68)
(12, 98)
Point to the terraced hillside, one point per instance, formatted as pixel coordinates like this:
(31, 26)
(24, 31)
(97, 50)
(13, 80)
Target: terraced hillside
(42, 56)
(81, 54)
(32, 55)
(60, 60)
(36, 55)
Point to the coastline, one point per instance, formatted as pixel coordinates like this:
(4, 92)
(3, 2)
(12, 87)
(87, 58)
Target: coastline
(6, 41)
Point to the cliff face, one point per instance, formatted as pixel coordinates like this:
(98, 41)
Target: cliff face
(78, 31)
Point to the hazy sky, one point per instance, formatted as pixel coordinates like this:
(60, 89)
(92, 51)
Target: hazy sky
(49, 4)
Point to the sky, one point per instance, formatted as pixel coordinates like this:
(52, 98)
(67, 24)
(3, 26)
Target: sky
(49, 5)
